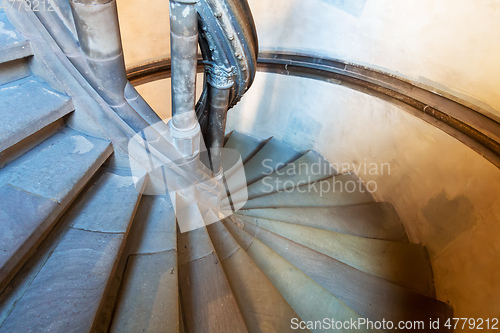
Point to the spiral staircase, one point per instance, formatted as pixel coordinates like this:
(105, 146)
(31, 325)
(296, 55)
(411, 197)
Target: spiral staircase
(83, 249)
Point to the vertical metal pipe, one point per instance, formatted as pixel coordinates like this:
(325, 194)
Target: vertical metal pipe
(184, 49)
(220, 80)
(98, 32)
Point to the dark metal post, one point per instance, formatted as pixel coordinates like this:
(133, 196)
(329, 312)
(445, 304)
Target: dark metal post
(220, 80)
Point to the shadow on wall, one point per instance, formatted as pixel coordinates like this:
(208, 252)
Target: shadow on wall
(352, 7)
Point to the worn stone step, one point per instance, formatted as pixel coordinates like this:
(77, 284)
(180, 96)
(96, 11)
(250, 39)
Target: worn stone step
(67, 294)
(28, 105)
(38, 187)
(149, 294)
(238, 146)
(246, 145)
(370, 296)
(208, 304)
(405, 264)
(262, 306)
(340, 190)
(274, 155)
(377, 220)
(307, 298)
(13, 45)
(308, 168)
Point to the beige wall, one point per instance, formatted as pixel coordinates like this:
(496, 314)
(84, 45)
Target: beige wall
(145, 29)
(447, 195)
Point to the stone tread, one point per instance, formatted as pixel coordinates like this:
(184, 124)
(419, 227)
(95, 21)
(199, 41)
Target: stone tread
(208, 304)
(154, 226)
(402, 263)
(261, 305)
(307, 298)
(13, 45)
(23, 219)
(38, 187)
(246, 145)
(110, 197)
(340, 190)
(377, 220)
(274, 155)
(308, 168)
(58, 166)
(28, 105)
(370, 296)
(149, 296)
(67, 293)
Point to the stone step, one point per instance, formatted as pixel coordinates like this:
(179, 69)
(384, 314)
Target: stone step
(274, 155)
(308, 168)
(238, 146)
(370, 296)
(405, 264)
(68, 292)
(308, 299)
(261, 305)
(246, 145)
(149, 296)
(208, 304)
(340, 190)
(28, 105)
(377, 220)
(37, 188)
(13, 45)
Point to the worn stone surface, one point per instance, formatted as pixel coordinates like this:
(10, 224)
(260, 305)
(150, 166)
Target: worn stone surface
(28, 105)
(23, 218)
(149, 295)
(108, 204)
(53, 171)
(12, 44)
(341, 190)
(261, 305)
(194, 245)
(369, 295)
(308, 168)
(374, 220)
(307, 298)
(154, 227)
(66, 294)
(402, 263)
(244, 144)
(223, 242)
(207, 300)
(273, 155)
